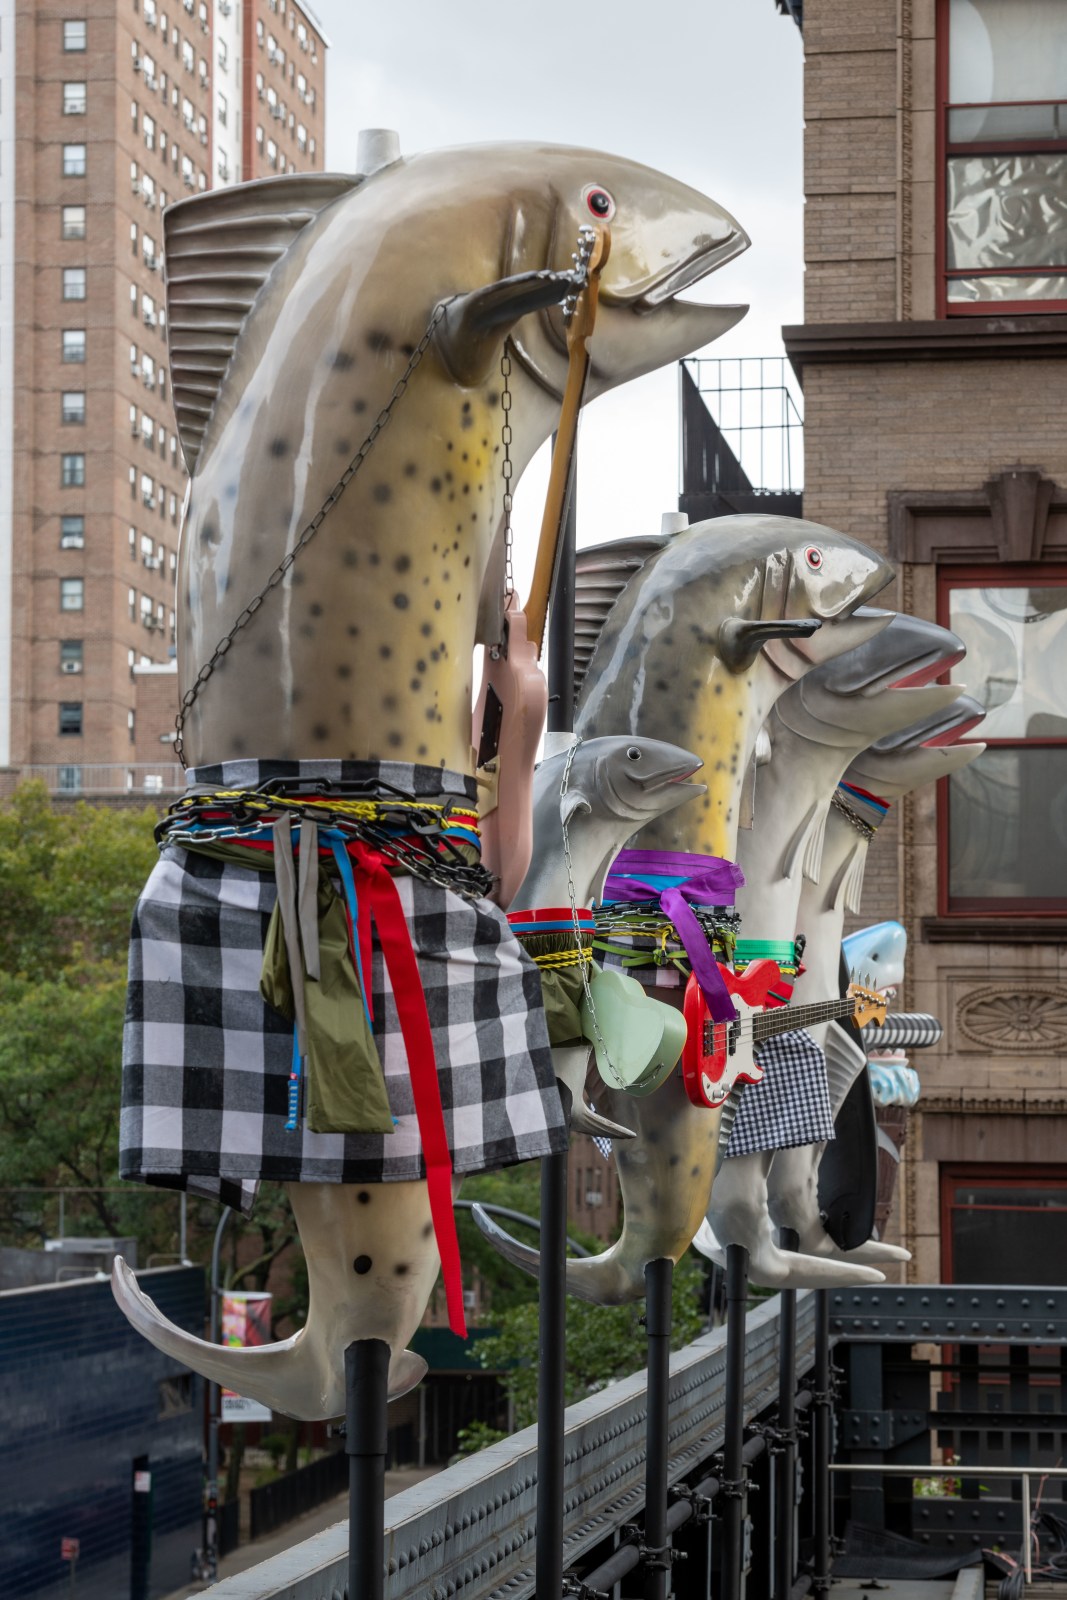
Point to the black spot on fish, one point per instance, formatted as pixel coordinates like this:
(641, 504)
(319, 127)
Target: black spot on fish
(382, 492)
(279, 447)
(296, 697)
(448, 476)
(435, 485)
(363, 1197)
(493, 399)
(353, 630)
(343, 447)
(389, 702)
(430, 713)
(407, 349)
(707, 805)
(427, 1230)
(718, 688)
(385, 651)
(342, 361)
(344, 670)
(422, 750)
(466, 561)
(359, 406)
(674, 1160)
(445, 576)
(415, 684)
(350, 558)
(394, 740)
(306, 630)
(401, 602)
(264, 647)
(466, 488)
(402, 564)
(426, 629)
(410, 469)
(230, 492)
(452, 494)
(346, 711)
(437, 605)
(401, 1269)
(694, 1172)
(315, 609)
(296, 577)
(378, 340)
(466, 457)
(662, 685)
(362, 1264)
(320, 732)
(653, 1136)
(450, 446)
(420, 666)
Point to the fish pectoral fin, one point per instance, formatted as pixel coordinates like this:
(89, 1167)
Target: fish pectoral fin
(520, 1255)
(406, 1369)
(740, 640)
(475, 325)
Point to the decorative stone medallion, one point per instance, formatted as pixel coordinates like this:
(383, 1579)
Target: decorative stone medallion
(1024, 1018)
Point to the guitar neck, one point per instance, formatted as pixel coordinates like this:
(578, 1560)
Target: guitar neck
(786, 1019)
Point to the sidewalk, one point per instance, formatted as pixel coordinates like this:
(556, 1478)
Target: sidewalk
(331, 1511)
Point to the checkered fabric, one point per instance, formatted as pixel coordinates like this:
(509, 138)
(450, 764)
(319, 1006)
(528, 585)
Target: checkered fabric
(791, 1103)
(206, 1061)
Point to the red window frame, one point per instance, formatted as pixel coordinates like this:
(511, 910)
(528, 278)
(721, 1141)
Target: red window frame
(988, 577)
(1005, 1175)
(982, 308)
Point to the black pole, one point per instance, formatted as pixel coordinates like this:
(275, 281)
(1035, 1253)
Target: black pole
(366, 1444)
(659, 1276)
(552, 1290)
(785, 1463)
(821, 1427)
(733, 1515)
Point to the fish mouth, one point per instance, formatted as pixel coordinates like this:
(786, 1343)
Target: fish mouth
(708, 255)
(930, 668)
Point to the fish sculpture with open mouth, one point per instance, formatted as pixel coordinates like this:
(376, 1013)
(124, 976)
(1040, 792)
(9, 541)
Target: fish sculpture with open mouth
(703, 639)
(815, 729)
(364, 355)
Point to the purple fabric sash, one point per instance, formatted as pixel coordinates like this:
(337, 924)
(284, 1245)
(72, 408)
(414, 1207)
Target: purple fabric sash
(706, 880)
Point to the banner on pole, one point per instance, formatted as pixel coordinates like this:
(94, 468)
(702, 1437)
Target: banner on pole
(245, 1321)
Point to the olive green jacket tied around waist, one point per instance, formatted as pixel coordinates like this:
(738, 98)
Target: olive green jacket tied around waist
(308, 934)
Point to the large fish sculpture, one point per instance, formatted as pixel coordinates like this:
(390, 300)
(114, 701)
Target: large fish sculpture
(815, 730)
(337, 341)
(892, 767)
(295, 306)
(612, 788)
(703, 640)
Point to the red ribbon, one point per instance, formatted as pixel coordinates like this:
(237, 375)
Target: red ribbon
(378, 896)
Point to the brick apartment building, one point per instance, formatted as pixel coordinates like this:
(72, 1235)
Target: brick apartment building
(933, 358)
(108, 113)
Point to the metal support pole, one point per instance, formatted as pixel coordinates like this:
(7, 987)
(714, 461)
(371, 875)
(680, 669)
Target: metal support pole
(552, 1323)
(785, 1462)
(366, 1445)
(821, 1435)
(659, 1277)
(1028, 1558)
(733, 1467)
(183, 1228)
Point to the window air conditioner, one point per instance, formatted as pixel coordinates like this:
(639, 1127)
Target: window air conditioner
(593, 1197)
(150, 319)
(138, 64)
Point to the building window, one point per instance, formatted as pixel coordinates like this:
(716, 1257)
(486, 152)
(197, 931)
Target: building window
(70, 780)
(73, 406)
(72, 533)
(74, 161)
(1004, 127)
(70, 655)
(72, 594)
(131, 601)
(73, 344)
(1005, 1223)
(74, 283)
(70, 716)
(1006, 814)
(73, 474)
(74, 99)
(73, 225)
(131, 726)
(74, 35)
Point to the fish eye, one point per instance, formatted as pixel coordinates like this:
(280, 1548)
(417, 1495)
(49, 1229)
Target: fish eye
(633, 753)
(813, 557)
(599, 202)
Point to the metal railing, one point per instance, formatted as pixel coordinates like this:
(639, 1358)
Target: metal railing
(106, 777)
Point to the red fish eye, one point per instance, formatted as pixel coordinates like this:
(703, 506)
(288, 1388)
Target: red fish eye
(599, 202)
(813, 557)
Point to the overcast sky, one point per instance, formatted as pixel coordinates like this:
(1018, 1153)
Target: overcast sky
(709, 92)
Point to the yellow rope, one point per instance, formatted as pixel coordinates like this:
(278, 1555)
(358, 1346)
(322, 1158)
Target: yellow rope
(563, 958)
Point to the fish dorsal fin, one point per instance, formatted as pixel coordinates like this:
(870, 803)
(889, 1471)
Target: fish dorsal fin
(219, 249)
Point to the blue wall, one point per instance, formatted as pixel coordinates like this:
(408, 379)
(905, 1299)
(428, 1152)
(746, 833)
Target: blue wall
(81, 1396)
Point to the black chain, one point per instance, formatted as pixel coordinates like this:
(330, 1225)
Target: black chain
(221, 649)
(506, 471)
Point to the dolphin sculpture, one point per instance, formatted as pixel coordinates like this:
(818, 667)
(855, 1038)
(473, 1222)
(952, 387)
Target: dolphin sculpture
(703, 639)
(891, 767)
(815, 730)
(614, 786)
(329, 327)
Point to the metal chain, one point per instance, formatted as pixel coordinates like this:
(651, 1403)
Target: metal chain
(281, 570)
(506, 470)
(864, 828)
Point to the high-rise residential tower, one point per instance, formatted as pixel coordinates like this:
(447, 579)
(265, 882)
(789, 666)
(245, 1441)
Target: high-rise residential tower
(109, 113)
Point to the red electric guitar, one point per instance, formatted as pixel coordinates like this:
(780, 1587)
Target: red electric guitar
(719, 1054)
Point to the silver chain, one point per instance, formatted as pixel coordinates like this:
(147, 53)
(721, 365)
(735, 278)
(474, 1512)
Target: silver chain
(865, 829)
(506, 470)
(572, 893)
(281, 570)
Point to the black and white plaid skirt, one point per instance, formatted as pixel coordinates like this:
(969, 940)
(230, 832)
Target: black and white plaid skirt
(791, 1103)
(206, 1061)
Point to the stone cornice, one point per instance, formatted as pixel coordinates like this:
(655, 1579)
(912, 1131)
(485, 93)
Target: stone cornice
(994, 338)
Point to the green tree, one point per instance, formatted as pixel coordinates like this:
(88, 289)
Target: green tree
(603, 1342)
